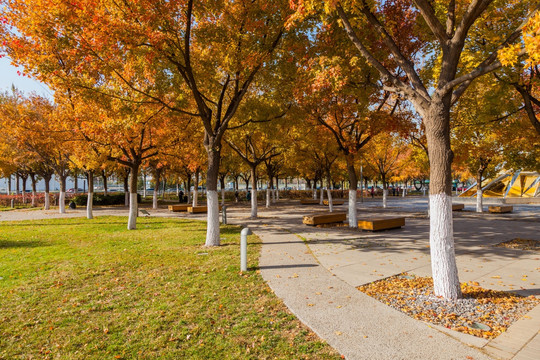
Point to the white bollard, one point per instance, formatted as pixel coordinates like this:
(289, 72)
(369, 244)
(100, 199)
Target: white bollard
(243, 248)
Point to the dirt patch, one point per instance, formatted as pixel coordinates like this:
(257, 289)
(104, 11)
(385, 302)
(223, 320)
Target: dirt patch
(521, 244)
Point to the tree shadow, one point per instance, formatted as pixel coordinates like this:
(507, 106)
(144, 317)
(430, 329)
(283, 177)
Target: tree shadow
(11, 244)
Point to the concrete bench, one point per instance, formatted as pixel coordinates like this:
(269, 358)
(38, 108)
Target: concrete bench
(309, 201)
(177, 208)
(324, 218)
(198, 209)
(501, 209)
(376, 224)
(458, 207)
(334, 202)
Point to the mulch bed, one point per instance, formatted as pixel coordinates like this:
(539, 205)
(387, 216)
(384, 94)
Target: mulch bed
(482, 312)
(521, 244)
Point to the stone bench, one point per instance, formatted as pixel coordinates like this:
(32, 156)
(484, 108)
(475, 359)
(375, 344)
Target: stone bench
(376, 224)
(334, 202)
(198, 209)
(458, 207)
(501, 209)
(309, 201)
(177, 208)
(324, 218)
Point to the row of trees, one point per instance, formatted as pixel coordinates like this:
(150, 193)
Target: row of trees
(151, 82)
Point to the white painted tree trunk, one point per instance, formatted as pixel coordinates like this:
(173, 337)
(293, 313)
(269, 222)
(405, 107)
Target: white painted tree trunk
(47, 201)
(330, 203)
(212, 228)
(253, 203)
(222, 197)
(353, 216)
(144, 186)
(196, 197)
(277, 194)
(322, 197)
(314, 193)
(133, 210)
(480, 201)
(403, 192)
(267, 197)
(441, 239)
(89, 205)
(385, 198)
(62, 202)
(154, 199)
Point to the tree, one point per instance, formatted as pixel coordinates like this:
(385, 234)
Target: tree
(194, 58)
(385, 155)
(443, 31)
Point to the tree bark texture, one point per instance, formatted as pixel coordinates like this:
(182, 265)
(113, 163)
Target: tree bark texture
(212, 199)
(133, 205)
(90, 199)
(47, 205)
(353, 186)
(443, 261)
(62, 198)
(253, 192)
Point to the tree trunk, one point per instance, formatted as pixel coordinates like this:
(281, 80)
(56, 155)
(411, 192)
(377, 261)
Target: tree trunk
(144, 184)
(330, 203)
(322, 195)
(62, 198)
(353, 186)
(133, 205)
(196, 190)
(33, 180)
(156, 190)
(75, 185)
(126, 190)
(222, 181)
(104, 177)
(253, 192)
(24, 178)
(441, 237)
(90, 197)
(404, 189)
(9, 185)
(188, 190)
(385, 192)
(212, 199)
(47, 180)
(479, 193)
(17, 188)
(268, 197)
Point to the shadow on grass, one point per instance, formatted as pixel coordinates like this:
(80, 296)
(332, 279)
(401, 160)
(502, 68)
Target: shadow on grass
(7, 244)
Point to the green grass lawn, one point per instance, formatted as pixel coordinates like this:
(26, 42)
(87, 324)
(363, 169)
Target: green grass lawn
(89, 289)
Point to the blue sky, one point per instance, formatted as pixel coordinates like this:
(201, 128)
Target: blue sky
(9, 77)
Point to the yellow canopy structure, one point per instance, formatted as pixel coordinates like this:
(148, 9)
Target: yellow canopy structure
(512, 184)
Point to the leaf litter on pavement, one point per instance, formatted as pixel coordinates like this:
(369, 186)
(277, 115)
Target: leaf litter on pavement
(481, 312)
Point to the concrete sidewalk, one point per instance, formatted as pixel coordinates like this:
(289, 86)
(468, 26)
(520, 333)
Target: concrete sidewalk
(356, 325)
(316, 270)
